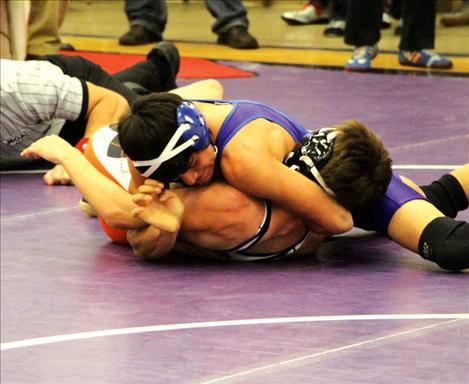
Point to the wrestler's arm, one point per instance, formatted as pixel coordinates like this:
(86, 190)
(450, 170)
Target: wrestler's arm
(104, 107)
(112, 203)
(163, 212)
(271, 179)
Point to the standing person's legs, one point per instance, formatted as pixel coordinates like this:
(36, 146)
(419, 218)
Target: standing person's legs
(147, 20)
(5, 32)
(362, 30)
(45, 19)
(418, 25)
(232, 23)
(363, 21)
(418, 34)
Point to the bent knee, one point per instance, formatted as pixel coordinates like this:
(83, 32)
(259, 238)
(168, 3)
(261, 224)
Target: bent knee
(215, 87)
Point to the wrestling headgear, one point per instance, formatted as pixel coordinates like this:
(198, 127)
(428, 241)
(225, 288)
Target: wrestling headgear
(193, 130)
(313, 153)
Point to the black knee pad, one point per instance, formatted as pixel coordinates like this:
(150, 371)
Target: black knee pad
(446, 242)
(447, 195)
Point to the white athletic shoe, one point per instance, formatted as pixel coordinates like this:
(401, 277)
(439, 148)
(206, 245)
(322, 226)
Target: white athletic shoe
(309, 14)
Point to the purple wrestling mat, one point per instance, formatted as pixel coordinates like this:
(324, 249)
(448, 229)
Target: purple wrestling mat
(77, 309)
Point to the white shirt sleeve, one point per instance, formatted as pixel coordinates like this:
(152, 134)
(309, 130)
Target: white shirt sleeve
(37, 98)
(38, 91)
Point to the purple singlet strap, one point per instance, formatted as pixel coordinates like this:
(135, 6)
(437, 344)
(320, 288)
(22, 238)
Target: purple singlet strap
(245, 111)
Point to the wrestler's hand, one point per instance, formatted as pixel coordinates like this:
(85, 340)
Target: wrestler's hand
(152, 188)
(57, 175)
(163, 211)
(51, 148)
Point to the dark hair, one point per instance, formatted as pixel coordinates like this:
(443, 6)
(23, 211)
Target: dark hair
(359, 169)
(147, 129)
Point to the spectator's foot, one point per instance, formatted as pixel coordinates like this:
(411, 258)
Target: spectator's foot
(309, 14)
(167, 53)
(87, 208)
(361, 58)
(139, 35)
(457, 18)
(238, 37)
(424, 59)
(335, 28)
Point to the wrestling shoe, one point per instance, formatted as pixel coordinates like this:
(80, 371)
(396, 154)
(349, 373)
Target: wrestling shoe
(335, 28)
(168, 53)
(424, 59)
(238, 37)
(87, 208)
(361, 58)
(139, 35)
(309, 14)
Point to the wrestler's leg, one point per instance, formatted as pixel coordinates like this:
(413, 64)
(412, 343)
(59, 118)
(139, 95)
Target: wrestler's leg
(409, 221)
(450, 192)
(419, 226)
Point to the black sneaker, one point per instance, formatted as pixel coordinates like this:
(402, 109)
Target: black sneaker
(167, 52)
(139, 35)
(238, 37)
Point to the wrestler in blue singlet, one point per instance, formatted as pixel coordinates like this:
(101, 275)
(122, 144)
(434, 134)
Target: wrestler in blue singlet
(375, 218)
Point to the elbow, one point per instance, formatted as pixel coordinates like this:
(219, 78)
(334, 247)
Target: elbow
(342, 224)
(335, 224)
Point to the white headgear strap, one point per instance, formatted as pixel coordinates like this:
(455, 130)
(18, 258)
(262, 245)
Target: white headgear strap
(169, 151)
(316, 174)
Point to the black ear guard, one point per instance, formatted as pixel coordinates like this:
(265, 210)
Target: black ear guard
(313, 153)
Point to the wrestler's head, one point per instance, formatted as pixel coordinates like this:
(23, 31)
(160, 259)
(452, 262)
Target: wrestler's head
(348, 160)
(167, 138)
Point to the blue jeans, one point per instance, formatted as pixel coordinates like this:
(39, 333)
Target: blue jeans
(153, 14)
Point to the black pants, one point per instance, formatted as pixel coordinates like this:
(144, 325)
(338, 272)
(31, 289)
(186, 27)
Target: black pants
(145, 73)
(418, 17)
